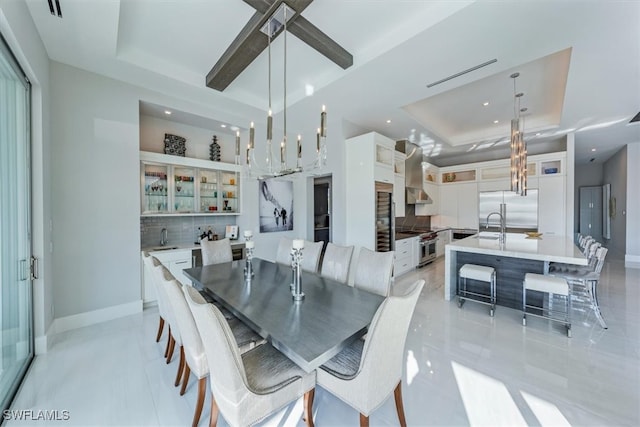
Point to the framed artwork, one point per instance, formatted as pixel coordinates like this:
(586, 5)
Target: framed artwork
(275, 204)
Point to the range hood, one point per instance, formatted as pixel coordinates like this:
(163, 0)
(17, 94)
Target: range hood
(413, 173)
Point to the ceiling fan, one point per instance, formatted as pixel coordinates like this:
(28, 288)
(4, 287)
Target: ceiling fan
(253, 39)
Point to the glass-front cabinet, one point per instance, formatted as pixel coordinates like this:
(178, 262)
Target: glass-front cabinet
(208, 190)
(155, 197)
(229, 191)
(183, 190)
(189, 188)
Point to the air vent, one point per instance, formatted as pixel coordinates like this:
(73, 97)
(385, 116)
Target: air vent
(461, 73)
(54, 8)
(635, 119)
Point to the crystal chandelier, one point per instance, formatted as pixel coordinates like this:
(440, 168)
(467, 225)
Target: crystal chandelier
(270, 167)
(518, 144)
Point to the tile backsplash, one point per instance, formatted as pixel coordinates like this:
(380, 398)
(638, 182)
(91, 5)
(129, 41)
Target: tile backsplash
(181, 229)
(411, 220)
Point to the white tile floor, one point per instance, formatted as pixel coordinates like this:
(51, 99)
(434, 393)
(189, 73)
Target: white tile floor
(463, 368)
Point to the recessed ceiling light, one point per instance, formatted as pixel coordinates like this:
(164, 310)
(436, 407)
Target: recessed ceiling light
(234, 128)
(485, 103)
(538, 134)
(388, 120)
(593, 149)
(167, 112)
(496, 122)
(223, 125)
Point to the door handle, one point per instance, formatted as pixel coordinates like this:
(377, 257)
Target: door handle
(34, 268)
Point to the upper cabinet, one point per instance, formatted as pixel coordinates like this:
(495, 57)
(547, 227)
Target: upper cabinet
(178, 185)
(399, 193)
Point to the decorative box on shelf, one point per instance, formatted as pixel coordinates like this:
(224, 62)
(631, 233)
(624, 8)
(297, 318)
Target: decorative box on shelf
(174, 145)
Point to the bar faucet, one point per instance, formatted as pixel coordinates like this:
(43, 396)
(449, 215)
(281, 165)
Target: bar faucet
(164, 238)
(503, 222)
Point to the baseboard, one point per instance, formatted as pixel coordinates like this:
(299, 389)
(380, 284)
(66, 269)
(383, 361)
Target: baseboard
(632, 261)
(81, 320)
(41, 345)
(42, 342)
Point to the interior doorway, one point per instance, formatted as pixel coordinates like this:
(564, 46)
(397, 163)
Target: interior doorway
(322, 206)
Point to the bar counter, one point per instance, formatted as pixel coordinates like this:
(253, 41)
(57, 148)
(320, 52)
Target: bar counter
(512, 260)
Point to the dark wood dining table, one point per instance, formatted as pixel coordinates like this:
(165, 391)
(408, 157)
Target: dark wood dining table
(309, 332)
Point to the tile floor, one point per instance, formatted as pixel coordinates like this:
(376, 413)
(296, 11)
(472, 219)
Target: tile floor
(462, 368)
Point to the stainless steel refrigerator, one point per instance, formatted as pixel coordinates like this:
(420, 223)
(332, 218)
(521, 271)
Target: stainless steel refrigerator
(385, 217)
(522, 211)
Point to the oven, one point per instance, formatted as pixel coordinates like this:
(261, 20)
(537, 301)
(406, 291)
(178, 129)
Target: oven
(427, 248)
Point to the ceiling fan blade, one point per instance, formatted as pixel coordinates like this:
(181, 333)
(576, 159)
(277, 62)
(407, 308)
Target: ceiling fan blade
(311, 35)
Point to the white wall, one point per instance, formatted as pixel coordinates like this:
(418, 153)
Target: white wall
(19, 31)
(96, 205)
(632, 256)
(95, 172)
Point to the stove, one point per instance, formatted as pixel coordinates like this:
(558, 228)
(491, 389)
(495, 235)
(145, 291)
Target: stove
(426, 244)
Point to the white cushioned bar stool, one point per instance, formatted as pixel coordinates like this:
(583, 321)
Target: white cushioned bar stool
(552, 286)
(480, 273)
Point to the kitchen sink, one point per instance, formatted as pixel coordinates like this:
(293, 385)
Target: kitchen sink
(487, 236)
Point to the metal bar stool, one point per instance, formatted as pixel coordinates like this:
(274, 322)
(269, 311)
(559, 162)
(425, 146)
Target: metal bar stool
(480, 273)
(550, 285)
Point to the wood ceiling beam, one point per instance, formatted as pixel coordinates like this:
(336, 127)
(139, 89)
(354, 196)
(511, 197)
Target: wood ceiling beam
(250, 42)
(311, 35)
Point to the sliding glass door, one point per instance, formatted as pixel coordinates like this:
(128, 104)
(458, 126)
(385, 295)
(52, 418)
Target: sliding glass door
(16, 332)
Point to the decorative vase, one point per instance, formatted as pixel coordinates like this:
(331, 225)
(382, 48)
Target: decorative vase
(214, 150)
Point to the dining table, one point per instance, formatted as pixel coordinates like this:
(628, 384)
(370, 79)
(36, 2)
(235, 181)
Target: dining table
(311, 331)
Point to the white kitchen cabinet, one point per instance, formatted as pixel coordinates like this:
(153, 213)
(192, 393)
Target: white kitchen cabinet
(399, 183)
(448, 206)
(178, 185)
(468, 205)
(175, 260)
(399, 195)
(384, 158)
(444, 238)
(369, 159)
(405, 256)
(459, 205)
(551, 204)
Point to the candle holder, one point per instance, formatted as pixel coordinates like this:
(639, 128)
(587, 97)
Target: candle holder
(248, 266)
(296, 264)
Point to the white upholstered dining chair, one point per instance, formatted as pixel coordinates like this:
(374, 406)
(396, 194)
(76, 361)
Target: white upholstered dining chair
(192, 356)
(367, 372)
(247, 388)
(149, 263)
(215, 251)
(162, 274)
(283, 254)
(336, 262)
(373, 271)
(311, 256)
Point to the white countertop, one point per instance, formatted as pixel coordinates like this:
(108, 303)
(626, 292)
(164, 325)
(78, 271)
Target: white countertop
(184, 246)
(518, 245)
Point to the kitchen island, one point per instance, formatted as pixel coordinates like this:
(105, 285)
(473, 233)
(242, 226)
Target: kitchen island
(519, 255)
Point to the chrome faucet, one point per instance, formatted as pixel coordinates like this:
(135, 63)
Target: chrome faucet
(503, 222)
(164, 238)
